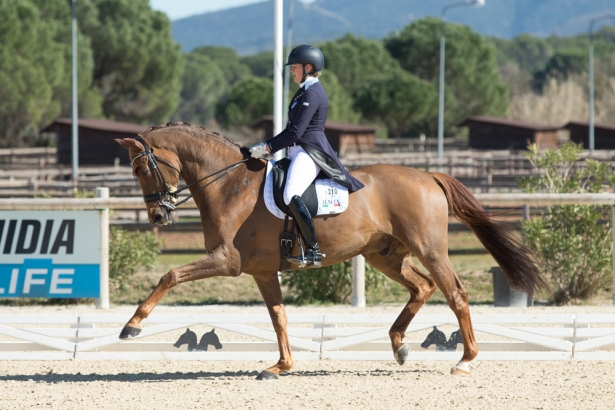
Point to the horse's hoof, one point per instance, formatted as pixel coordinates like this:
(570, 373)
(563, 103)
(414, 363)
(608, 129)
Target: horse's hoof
(129, 332)
(402, 354)
(461, 369)
(267, 375)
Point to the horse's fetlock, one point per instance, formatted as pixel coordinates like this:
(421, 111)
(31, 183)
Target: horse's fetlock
(285, 365)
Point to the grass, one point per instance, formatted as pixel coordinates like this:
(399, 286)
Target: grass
(472, 269)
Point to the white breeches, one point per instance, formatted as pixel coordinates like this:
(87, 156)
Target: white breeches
(301, 172)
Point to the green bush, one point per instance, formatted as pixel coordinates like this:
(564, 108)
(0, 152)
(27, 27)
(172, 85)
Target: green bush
(330, 284)
(128, 251)
(572, 242)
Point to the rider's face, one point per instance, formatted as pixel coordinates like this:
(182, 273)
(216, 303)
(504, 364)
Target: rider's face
(297, 71)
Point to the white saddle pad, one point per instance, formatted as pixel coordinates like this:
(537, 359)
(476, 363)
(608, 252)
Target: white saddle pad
(332, 197)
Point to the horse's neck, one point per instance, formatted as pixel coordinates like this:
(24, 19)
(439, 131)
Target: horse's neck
(200, 158)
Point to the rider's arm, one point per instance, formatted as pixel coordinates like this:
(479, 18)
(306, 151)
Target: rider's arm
(307, 106)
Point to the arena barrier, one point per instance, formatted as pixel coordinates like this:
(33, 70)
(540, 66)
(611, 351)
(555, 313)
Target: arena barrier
(312, 337)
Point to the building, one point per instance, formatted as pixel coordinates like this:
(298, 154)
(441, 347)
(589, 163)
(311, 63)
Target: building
(96, 140)
(344, 138)
(604, 134)
(499, 133)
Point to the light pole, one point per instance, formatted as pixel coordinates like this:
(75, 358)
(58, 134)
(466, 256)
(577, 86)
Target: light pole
(75, 114)
(289, 44)
(475, 3)
(277, 69)
(591, 78)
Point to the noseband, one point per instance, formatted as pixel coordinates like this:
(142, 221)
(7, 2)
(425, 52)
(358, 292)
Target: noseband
(165, 197)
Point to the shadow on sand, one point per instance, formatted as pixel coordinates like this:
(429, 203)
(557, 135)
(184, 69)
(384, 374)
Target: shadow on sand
(166, 377)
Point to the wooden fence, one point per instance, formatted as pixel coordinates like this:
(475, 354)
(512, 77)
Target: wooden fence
(24, 174)
(312, 337)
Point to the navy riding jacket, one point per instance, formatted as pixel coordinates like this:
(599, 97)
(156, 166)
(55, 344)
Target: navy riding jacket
(307, 114)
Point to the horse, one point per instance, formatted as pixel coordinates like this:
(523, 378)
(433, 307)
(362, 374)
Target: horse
(438, 338)
(402, 212)
(189, 338)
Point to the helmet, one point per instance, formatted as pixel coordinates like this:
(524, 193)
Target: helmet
(307, 54)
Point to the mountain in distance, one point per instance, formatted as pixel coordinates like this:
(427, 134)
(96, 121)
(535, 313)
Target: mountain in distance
(249, 29)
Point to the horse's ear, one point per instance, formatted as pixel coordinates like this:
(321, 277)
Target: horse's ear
(213, 330)
(129, 143)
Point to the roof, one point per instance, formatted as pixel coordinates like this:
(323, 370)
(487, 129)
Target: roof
(601, 125)
(329, 125)
(98, 124)
(510, 123)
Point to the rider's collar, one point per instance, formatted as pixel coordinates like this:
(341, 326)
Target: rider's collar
(310, 81)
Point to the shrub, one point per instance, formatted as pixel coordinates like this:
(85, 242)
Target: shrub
(128, 251)
(572, 242)
(330, 284)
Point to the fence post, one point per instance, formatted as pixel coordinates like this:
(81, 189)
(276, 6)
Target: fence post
(103, 301)
(358, 281)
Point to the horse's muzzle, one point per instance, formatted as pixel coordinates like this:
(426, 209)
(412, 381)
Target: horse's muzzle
(162, 216)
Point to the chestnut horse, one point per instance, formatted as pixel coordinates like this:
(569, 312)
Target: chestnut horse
(402, 212)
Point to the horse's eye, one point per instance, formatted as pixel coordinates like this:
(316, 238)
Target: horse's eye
(144, 171)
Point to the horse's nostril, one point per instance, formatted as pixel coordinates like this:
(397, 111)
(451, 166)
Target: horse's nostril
(157, 218)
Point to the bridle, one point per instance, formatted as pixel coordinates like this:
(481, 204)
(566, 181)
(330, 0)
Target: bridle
(165, 197)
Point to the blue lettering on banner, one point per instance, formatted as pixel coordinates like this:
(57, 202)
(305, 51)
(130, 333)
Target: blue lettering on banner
(42, 278)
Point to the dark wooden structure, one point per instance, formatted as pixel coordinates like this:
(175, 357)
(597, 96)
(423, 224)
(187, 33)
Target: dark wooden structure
(344, 138)
(604, 134)
(96, 145)
(499, 133)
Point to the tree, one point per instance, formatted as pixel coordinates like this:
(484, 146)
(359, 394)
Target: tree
(396, 99)
(203, 85)
(572, 242)
(56, 14)
(30, 68)
(471, 71)
(340, 102)
(529, 53)
(261, 64)
(563, 64)
(247, 100)
(137, 65)
(228, 61)
(354, 59)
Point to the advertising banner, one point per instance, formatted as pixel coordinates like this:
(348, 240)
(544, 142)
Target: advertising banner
(50, 254)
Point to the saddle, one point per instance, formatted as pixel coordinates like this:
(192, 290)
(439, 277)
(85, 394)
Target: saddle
(309, 197)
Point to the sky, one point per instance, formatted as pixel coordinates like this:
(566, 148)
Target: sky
(177, 9)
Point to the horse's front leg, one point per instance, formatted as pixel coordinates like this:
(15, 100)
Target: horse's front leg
(216, 263)
(272, 294)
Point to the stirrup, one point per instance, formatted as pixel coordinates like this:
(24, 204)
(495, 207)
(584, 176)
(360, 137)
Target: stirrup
(311, 257)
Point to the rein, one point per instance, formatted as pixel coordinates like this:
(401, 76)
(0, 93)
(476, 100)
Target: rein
(167, 198)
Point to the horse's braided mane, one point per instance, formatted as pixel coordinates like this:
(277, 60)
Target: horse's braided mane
(199, 128)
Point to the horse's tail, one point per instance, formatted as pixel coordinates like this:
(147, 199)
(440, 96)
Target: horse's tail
(514, 257)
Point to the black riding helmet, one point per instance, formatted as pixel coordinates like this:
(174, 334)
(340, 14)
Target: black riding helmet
(307, 54)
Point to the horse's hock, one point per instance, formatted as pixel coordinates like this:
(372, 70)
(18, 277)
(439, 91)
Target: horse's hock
(503, 295)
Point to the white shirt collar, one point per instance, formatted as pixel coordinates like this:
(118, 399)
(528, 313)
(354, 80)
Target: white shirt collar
(310, 81)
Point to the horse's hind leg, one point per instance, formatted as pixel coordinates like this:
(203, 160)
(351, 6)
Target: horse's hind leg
(399, 267)
(456, 295)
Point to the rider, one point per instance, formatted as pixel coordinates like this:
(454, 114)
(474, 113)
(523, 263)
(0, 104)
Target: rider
(308, 147)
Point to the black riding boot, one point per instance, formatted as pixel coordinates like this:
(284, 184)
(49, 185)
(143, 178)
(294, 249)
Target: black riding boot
(301, 214)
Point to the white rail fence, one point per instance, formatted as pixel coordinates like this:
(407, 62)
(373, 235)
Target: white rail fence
(312, 337)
